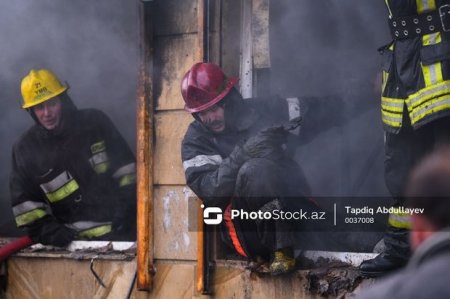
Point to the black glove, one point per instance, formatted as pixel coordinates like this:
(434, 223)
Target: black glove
(124, 227)
(238, 156)
(292, 124)
(267, 143)
(56, 235)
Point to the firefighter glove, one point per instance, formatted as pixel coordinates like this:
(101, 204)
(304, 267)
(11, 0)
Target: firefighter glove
(292, 124)
(267, 143)
(61, 236)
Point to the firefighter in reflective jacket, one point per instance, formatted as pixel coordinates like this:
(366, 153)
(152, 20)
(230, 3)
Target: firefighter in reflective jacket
(234, 158)
(73, 175)
(415, 106)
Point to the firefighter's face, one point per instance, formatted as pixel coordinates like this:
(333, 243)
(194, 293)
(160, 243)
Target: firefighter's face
(213, 118)
(49, 113)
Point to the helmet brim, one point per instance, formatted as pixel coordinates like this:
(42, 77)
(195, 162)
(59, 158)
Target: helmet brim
(230, 84)
(44, 99)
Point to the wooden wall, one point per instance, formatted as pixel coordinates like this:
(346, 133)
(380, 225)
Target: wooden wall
(176, 44)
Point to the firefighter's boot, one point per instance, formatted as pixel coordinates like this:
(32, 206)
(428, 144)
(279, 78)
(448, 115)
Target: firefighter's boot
(395, 255)
(283, 262)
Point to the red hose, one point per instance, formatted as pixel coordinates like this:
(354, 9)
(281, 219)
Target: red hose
(14, 246)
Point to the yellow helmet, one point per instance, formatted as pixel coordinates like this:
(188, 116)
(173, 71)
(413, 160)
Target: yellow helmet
(40, 86)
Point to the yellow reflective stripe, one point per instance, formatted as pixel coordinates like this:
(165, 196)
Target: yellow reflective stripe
(98, 147)
(384, 79)
(428, 93)
(101, 168)
(425, 5)
(432, 73)
(431, 39)
(391, 122)
(127, 180)
(27, 206)
(392, 115)
(30, 217)
(96, 231)
(391, 119)
(433, 106)
(63, 192)
(388, 7)
(399, 220)
(56, 183)
(392, 105)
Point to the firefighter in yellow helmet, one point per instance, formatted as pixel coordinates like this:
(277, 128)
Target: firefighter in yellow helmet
(73, 175)
(415, 107)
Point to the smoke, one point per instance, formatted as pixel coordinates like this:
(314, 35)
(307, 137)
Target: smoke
(328, 48)
(93, 45)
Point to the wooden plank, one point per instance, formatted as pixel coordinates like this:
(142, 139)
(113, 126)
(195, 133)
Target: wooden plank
(200, 271)
(232, 282)
(231, 30)
(175, 239)
(174, 56)
(173, 281)
(176, 17)
(201, 31)
(260, 34)
(144, 150)
(246, 66)
(56, 278)
(170, 129)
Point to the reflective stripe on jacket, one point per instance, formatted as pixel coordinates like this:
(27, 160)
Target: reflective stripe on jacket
(416, 72)
(81, 178)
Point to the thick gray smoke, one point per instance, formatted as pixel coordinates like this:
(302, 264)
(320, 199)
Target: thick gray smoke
(93, 45)
(321, 48)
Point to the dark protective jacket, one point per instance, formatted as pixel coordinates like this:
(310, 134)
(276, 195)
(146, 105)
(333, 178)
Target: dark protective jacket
(79, 181)
(209, 162)
(220, 176)
(416, 72)
(426, 275)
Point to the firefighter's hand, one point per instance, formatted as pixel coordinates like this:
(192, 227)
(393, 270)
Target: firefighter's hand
(267, 143)
(292, 124)
(61, 237)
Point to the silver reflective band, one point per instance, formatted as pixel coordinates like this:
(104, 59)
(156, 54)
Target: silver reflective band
(201, 160)
(294, 107)
(27, 206)
(429, 107)
(57, 182)
(99, 158)
(396, 119)
(124, 170)
(294, 111)
(390, 104)
(442, 87)
(84, 225)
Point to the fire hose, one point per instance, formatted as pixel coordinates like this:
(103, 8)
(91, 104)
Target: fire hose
(14, 246)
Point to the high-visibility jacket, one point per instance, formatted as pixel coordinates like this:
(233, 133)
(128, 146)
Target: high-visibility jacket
(82, 178)
(416, 72)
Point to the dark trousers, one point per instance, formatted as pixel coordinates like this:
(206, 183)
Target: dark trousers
(266, 185)
(403, 151)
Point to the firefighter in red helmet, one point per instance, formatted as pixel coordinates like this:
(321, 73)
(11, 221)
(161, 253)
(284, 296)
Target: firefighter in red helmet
(414, 107)
(236, 157)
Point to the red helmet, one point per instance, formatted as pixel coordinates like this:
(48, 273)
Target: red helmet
(204, 85)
